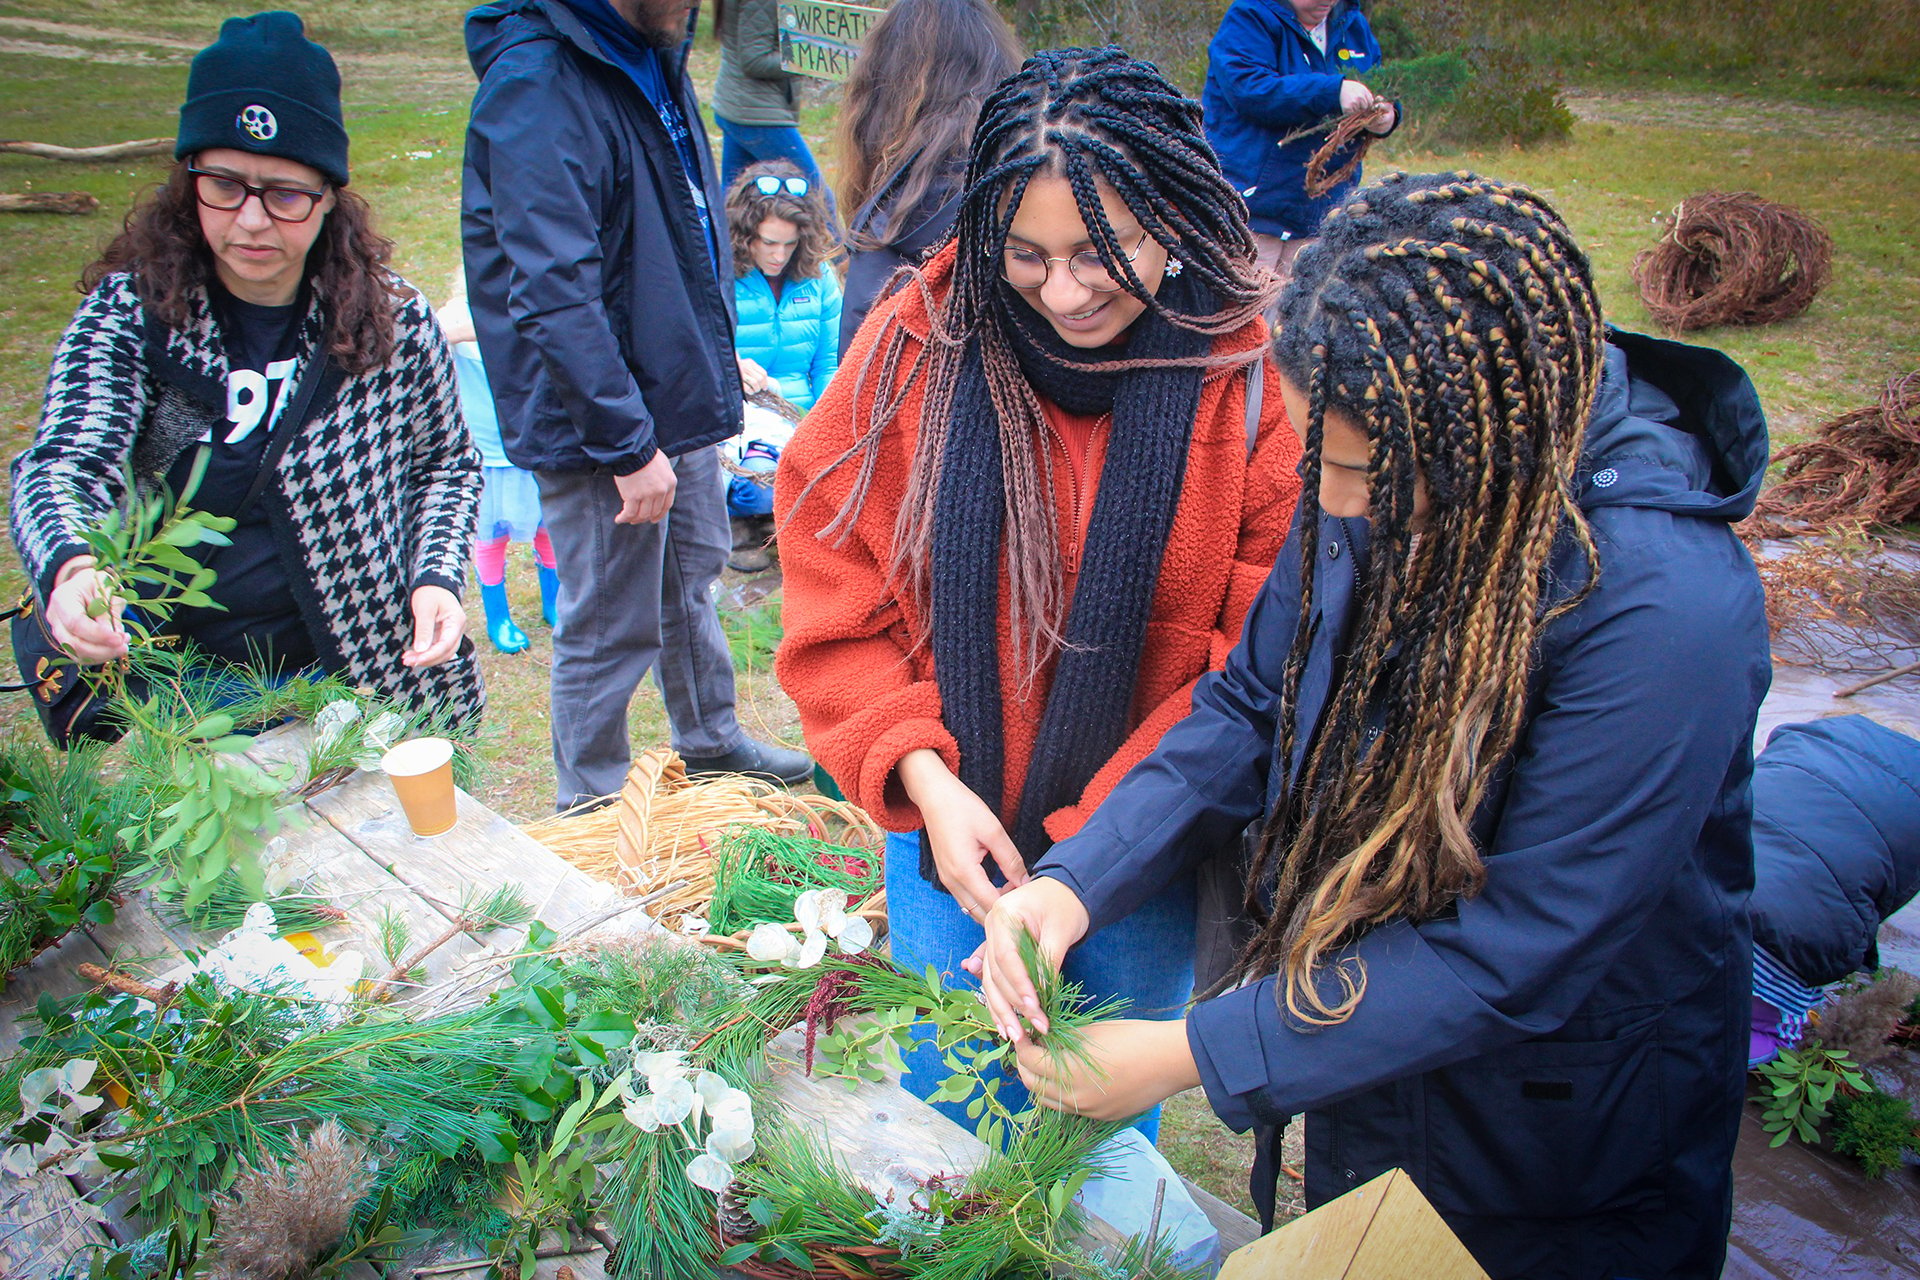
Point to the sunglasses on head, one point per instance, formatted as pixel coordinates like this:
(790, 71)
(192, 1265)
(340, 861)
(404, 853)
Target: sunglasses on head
(769, 185)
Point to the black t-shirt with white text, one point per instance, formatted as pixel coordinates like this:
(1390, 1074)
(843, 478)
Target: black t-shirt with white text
(261, 623)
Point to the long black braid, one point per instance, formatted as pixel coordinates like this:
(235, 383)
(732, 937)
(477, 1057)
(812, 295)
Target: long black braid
(1454, 320)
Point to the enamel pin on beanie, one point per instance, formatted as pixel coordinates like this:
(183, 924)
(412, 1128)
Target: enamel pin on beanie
(264, 87)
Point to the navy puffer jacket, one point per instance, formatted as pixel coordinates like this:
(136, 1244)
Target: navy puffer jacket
(1558, 1061)
(1836, 843)
(1267, 79)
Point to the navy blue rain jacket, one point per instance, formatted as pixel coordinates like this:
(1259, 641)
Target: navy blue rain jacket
(1266, 79)
(1836, 843)
(1559, 1061)
(604, 326)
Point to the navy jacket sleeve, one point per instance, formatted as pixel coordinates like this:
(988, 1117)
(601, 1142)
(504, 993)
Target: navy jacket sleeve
(1242, 64)
(1205, 781)
(546, 161)
(1640, 715)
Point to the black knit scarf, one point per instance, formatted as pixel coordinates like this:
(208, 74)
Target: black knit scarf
(1089, 706)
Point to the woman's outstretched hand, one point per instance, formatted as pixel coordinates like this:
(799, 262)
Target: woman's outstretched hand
(1130, 1065)
(963, 831)
(1056, 918)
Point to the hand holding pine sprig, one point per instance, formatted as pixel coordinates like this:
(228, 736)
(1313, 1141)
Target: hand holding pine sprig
(964, 1032)
(140, 550)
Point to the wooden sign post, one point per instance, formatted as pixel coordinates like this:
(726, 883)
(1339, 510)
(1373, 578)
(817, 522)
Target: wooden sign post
(1384, 1230)
(821, 38)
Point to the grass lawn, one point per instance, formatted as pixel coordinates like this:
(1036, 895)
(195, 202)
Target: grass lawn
(83, 72)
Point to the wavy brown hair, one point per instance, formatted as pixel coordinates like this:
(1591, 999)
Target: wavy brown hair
(748, 207)
(913, 97)
(161, 246)
(1454, 320)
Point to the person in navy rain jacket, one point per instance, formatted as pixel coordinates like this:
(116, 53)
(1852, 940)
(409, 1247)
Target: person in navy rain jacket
(1498, 704)
(1274, 68)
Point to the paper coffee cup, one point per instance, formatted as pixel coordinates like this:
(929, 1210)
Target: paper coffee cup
(421, 770)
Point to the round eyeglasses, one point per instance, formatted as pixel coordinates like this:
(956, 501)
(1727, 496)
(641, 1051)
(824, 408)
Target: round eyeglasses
(225, 192)
(1025, 269)
(769, 185)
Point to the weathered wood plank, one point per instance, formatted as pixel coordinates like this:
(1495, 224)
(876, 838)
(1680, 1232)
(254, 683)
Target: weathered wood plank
(52, 972)
(366, 890)
(482, 852)
(43, 1226)
(1236, 1229)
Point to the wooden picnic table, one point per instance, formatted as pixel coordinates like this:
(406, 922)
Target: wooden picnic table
(354, 843)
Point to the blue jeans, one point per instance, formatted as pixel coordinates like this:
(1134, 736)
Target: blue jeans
(1146, 958)
(745, 144)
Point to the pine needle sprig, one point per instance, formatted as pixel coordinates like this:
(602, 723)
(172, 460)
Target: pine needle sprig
(661, 1220)
(759, 874)
(503, 908)
(225, 1078)
(803, 1202)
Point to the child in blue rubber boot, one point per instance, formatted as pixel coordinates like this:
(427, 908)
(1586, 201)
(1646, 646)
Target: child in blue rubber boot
(510, 500)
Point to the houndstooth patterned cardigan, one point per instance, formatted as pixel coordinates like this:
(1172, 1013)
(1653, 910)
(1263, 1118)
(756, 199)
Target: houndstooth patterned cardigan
(377, 491)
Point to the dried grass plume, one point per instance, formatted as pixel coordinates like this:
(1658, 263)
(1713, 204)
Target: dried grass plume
(280, 1218)
(1861, 1015)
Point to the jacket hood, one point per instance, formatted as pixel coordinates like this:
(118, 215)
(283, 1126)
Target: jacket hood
(492, 29)
(1676, 428)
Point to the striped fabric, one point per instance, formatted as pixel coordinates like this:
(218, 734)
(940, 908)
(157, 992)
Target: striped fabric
(1781, 988)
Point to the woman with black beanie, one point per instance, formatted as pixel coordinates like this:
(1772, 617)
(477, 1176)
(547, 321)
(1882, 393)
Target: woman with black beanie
(246, 313)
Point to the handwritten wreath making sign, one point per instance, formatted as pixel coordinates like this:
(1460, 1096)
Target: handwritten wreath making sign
(820, 38)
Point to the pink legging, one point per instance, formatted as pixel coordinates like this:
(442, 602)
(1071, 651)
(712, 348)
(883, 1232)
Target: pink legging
(490, 557)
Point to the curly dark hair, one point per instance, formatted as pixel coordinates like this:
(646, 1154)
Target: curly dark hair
(161, 245)
(748, 207)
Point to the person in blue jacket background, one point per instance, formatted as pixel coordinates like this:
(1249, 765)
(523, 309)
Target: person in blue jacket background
(1497, 703)
(1836, 850)
(1274, 68)
(787, 301)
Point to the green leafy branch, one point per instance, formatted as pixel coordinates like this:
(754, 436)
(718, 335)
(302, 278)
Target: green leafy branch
(140, 550)
(1798, 1089)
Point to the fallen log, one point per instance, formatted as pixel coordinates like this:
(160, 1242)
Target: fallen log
(49, 202)
(112, 151)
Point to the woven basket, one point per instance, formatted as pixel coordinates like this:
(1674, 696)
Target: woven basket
(659, 837)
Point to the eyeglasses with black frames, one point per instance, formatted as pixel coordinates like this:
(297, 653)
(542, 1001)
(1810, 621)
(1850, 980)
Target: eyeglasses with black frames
(1025, 269)
(768, 184)
(226, 192)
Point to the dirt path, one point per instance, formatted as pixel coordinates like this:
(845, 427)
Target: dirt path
(1855, 124)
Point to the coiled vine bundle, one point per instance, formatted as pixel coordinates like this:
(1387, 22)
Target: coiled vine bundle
(1733, 258)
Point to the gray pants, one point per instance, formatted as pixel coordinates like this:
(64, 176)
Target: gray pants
(634, 597)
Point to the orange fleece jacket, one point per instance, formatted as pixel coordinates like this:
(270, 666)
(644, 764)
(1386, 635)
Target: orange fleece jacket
(855, 658)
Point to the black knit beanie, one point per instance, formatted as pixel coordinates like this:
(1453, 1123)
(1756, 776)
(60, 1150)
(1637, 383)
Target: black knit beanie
(264, 87)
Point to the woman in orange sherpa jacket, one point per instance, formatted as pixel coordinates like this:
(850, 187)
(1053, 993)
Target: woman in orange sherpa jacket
(1032, 508)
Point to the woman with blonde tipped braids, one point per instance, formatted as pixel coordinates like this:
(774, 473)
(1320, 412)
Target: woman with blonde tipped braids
(1497, 704)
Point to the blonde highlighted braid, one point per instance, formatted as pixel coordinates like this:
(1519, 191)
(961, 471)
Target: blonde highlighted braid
(1454, 319)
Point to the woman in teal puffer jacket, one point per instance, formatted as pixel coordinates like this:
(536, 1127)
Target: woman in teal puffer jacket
(788, 302)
